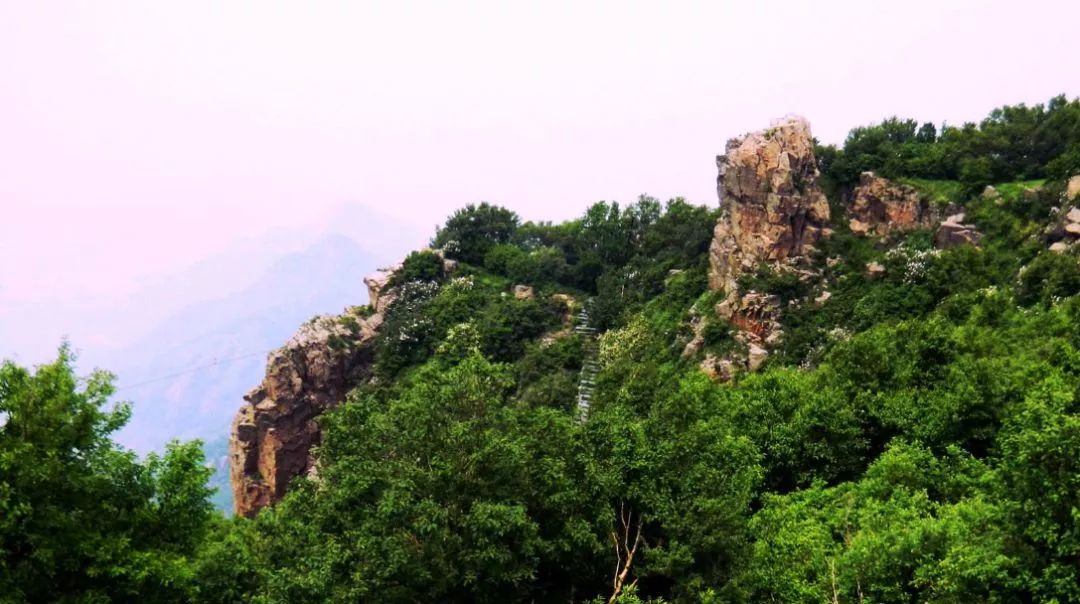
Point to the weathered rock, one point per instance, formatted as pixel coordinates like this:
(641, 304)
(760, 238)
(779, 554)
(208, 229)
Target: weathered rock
(1064, 231)
(757, 357)
(858, 227)
(380, 295)
(881, 206)
(953, 232)
(823, 298)
(697, 340)
(772, 207)
(874, 270)
(757, 316)
(1072, 188)
(718, 369)
(274, 431)
(524, 292)
(567, 303)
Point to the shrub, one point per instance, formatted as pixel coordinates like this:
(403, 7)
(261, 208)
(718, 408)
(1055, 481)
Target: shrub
(1048, 278)
(424, 265)
(470, 232)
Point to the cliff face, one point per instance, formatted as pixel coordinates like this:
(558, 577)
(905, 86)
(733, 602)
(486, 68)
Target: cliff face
(772, 206)
(881, 206)
(772, 211)
(274, 431)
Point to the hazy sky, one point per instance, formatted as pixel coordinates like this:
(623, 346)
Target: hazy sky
(137, 138)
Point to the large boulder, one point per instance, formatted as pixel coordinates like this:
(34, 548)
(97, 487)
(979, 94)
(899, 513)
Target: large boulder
(1064, 233)
(274, 431)
(380, 294)
(881, 206)
(1072, 188)
(953, 232)
(524, 292)
(772, 206)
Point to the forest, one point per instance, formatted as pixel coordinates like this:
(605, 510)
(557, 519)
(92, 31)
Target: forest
(915, 436)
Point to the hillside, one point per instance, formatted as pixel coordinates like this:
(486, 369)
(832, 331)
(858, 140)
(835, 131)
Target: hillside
(853, 379)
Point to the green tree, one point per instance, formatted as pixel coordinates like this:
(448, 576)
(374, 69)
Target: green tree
(81, 519)
(470, 232)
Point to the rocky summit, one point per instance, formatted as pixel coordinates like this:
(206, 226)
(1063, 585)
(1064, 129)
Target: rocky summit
(773, 209)
(275, 429)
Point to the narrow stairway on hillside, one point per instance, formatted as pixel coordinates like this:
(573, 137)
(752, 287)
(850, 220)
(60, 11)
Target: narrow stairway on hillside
(589, 366)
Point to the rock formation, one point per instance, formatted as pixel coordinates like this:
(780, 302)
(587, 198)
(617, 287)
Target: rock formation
(772, 207)
(881, 206)
(953, 232)
(1065, 232)
(524, 292)
(380, 296)
(1072, 188)
(274, 431)
(772, 211)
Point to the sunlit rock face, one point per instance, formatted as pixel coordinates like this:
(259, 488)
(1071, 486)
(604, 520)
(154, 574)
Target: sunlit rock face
(772, 212)
(772, 206)
(274, 431)
(880, 206)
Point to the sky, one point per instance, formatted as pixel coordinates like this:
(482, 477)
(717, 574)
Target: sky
(139, 139)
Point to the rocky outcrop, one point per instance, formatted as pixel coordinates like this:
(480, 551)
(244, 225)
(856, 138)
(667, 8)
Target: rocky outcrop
(772, 212)
(875, 270)
(772, 207)
(953, 232)
(380, 294)
(755, 316)
(524, 292)
(720, 369)
(1072, 188)
(880, 206)
(1064, 233)
(274, 431)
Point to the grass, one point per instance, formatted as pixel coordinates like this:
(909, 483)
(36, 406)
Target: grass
(942, 192)
(938, 192)
(1011, 191)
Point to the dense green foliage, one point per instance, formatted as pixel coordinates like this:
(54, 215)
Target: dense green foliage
(1013, 143)
(472, 231)
(80, 519)
(915, 436)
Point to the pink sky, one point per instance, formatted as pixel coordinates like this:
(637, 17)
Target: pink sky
(137, 138)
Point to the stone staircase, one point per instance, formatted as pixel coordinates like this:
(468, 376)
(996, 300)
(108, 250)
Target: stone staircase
(589, 366)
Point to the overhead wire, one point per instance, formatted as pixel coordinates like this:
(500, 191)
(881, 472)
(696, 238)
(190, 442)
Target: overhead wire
(215, 363)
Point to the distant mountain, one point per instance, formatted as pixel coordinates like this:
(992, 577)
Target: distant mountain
(187, 376)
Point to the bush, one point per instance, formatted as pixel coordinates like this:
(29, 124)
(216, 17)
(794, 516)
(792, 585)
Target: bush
(539, 266)
(1048, 278)
(424, 265)
(470, 232)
